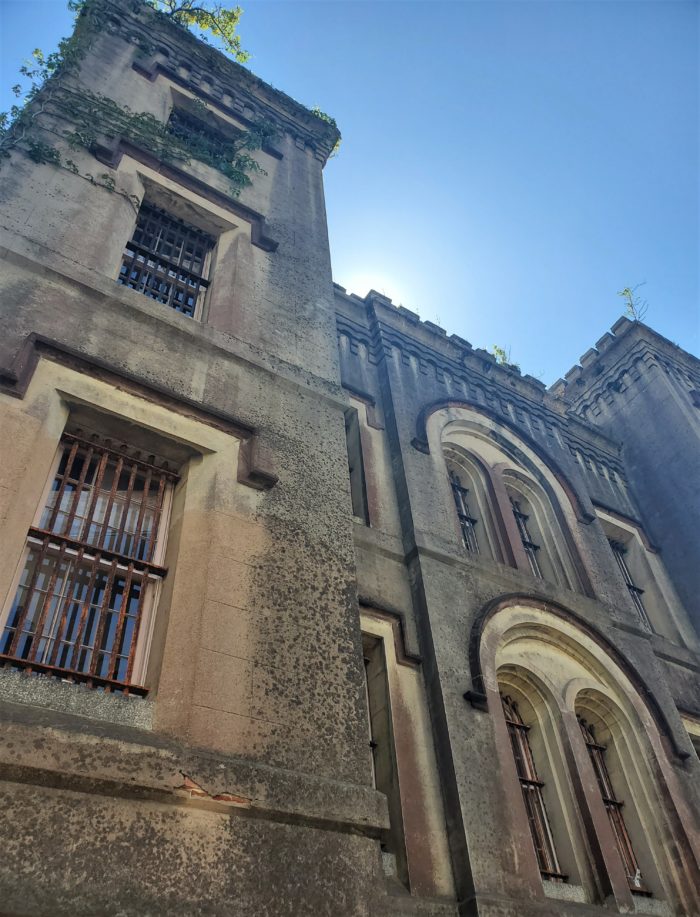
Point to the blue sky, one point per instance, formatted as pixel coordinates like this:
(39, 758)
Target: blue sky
(506, 167)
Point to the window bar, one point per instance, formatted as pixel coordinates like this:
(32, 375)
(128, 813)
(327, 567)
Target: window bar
(142, 510)
(110, 502)
(157, 511)
(62, 487)
(102, 620)
(46, 604)
(135, 635)
(619, 550)
(67, 603)
(531, 787)
(466, 520)
(20, 615)
(57, 625)
(121, 622)
(84, 614)
(531, 548)
(96, 490)
(78, 490)
(613, 806)
(119, 543)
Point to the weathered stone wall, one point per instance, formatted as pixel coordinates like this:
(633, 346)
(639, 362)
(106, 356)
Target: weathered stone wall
(403, 369)
(642, 389)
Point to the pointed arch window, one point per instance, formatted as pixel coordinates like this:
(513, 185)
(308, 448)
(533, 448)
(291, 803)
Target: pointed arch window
(531, 548)
(531, 787)
(467, 522)
(613, 806)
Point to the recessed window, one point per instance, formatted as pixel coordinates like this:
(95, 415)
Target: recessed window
(613, 806)
(467, 521)
(92, 566)
(356, 467)
(167, 260)
(201, 138)
(619, 551)
(531, 547)
(531, 787)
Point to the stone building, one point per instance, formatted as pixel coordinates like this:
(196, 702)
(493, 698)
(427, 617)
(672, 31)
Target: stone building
(307, 607)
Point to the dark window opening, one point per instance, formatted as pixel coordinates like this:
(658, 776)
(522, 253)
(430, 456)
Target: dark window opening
(203, 140)
(167, 260)
(356, 467)
(90, 570)
(466, 520)
(613, 807)
(531, 548)
(532, 786)
(619, 550)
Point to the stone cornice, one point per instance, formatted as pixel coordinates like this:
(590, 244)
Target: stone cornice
(454, 359)
(206, 71)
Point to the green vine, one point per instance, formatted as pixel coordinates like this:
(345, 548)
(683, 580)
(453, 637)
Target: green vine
(52, 100)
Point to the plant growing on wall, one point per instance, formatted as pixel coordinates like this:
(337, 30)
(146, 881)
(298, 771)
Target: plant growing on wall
(50, 100)
(214, 18)
(636, 308)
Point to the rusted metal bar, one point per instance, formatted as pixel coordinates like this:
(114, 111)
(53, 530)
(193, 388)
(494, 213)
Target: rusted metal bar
(102, 619)
(121, 620)
(157, 510)
(7, 661)
(65, 605)
(84, 611)
(62, 485)
(39, 626)
(142, 510)
(110, 501)
(78, 491)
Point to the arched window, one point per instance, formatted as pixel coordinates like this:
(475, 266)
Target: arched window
(603, 801)
(618, 754)
(613, 806)
(540, 530)
(531, 786)
(473, 504)
(510, 505)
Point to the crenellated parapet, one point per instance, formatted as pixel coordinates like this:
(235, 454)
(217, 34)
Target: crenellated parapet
(625, 355)
(447, 368)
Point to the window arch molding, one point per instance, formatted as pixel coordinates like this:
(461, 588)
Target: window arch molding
(435, 415)
(500, 451)
(550, 526)
(481, 648)
(586, 676)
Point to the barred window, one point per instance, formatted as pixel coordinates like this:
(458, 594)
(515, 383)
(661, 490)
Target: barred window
(167, 260)
(92, 567)
(531, 548)
(202, 138)
(532, 786)
(466, 521)
(613, 807)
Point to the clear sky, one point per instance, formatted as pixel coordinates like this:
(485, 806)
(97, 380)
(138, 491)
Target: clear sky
(506, 167)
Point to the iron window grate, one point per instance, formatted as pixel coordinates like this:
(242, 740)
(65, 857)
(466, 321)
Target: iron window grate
(90, 568)
(167, 260)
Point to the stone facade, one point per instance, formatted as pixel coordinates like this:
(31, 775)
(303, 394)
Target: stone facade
(310, 721)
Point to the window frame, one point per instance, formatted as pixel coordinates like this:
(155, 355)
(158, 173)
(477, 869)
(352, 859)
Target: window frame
(152, 263)
(58, 544)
